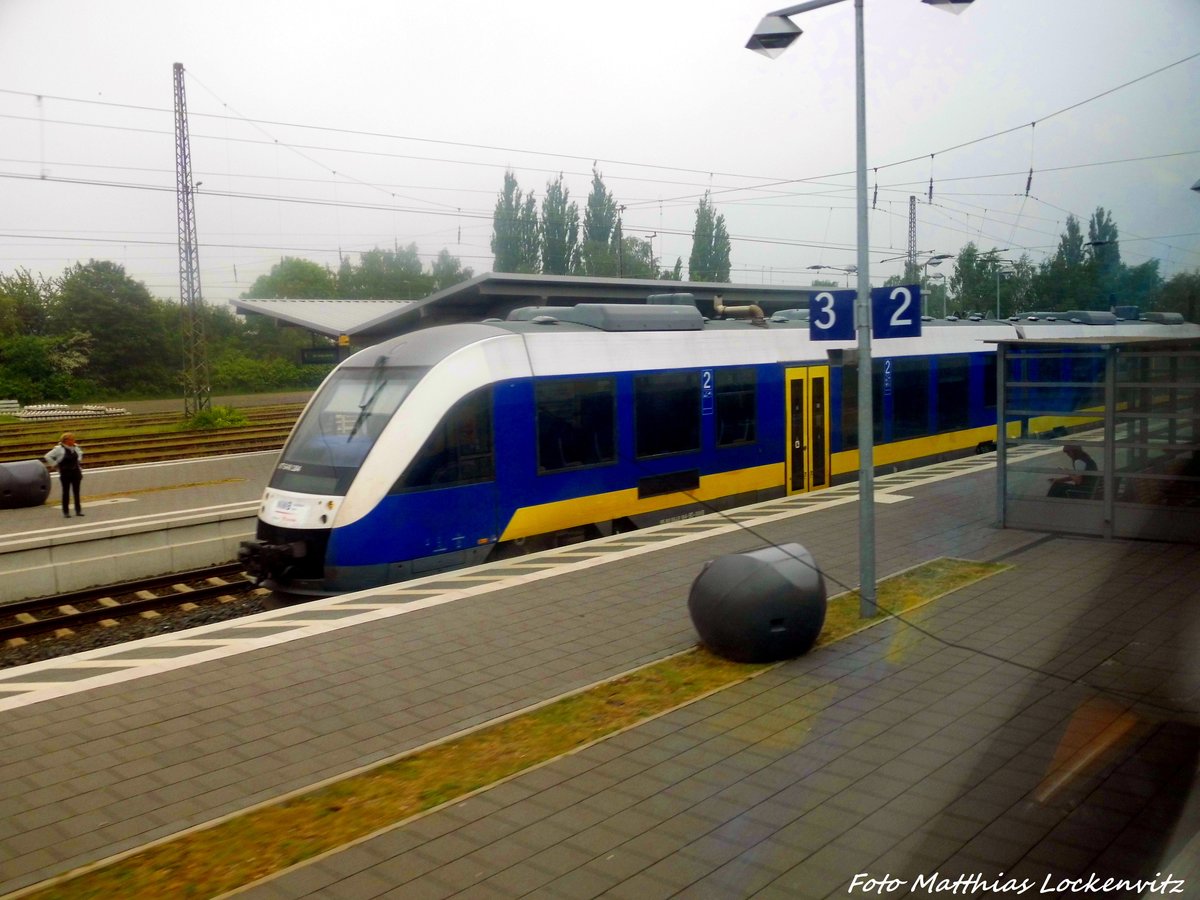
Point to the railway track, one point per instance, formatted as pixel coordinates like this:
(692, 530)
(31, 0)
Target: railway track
(150, 438)
(67, 623)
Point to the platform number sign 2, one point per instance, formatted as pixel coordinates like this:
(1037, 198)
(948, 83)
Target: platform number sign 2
(896, 311)
(831, 316)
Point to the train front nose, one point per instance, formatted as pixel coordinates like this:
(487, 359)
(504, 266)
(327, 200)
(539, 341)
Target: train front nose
(287, 559)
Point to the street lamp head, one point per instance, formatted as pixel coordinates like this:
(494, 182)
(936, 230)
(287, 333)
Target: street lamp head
(937, 260)
(954, 6)
(773, 35)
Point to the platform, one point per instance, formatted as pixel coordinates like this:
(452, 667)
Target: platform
(948, 743)
(140, 520)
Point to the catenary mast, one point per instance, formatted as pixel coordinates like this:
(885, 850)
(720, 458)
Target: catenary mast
(196, 389)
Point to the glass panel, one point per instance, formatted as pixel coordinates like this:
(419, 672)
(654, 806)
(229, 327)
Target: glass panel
(336, 432)
(910, 401)
(1071, 471)
(736, 406)
(459, 451)
(667, 413)
(575, 423)
(953, 393)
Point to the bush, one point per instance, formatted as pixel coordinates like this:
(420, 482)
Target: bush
(235, 371)
(217, 417)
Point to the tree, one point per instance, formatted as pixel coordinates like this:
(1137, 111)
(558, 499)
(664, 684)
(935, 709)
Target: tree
(136, 340)
(385, 275)
(299, 279)
(35, 369)
(515, 235)
(1105, 258)
(1138, 286)
(448, 270)
(676, 273)
(1065, 280)
(24, 301)
(1181, 294)
(637, 258)
(598, 256)
(560, 230)
(710, 245)
(971, 282)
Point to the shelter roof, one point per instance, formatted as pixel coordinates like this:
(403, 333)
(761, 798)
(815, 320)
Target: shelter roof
(332, 317)
(495, 295)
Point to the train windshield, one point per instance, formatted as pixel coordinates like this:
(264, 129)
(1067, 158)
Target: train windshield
(346, 418)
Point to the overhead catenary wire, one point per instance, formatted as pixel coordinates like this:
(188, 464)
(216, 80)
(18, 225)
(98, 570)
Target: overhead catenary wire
(706, 173)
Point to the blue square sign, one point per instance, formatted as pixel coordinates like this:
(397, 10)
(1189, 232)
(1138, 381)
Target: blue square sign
(831, 316)
(896, 311)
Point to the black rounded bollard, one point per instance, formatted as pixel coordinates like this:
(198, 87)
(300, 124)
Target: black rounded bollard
(761, 606)
(25, 483)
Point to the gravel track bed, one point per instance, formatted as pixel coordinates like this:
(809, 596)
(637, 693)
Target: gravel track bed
(91, 637)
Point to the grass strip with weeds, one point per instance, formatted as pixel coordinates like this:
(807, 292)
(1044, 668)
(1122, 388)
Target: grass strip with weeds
(903, 592)
(245, 847)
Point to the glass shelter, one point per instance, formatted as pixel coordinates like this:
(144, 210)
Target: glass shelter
(1102, 438)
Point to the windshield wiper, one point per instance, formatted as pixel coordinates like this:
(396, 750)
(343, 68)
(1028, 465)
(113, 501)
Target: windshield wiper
(378, 382)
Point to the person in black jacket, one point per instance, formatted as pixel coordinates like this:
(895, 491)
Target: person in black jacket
(68, 456)
(1079, 484)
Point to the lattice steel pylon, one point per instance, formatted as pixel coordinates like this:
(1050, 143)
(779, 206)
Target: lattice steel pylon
(912, 237)
(197, 393)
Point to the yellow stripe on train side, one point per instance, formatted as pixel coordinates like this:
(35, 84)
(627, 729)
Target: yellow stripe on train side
(546, 517)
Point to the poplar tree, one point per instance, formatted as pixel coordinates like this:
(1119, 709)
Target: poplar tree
(599, 254)
(560, 230)
(709, 260)
(515, 231)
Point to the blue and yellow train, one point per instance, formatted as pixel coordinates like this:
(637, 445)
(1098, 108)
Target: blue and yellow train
(448, 446)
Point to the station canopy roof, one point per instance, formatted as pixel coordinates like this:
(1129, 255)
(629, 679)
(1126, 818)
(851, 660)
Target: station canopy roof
(495, 295)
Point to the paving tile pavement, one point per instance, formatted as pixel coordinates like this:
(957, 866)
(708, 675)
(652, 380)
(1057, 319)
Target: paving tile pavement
(966, 744)
(867, 756)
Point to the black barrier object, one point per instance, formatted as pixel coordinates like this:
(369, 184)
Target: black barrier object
(761, 606)
(25, 483)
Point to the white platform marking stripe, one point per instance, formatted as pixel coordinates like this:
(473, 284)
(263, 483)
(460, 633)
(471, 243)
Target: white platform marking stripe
(541, 565)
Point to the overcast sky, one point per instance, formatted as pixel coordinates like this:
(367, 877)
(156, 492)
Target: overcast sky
(321, 127)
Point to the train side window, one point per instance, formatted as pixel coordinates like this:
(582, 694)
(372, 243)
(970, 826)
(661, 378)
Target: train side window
(953, 393)
(850, 404)
(666, 413)
(736, 406)
(910, 404)
(459, 451)
(989, 383)
(576, 423)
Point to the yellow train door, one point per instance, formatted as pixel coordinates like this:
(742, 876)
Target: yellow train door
(807, 458)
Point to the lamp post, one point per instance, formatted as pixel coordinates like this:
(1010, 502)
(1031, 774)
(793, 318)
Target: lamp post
(774, 34)
(936, 260)
(1000, 264)
(847, 270)
(945, 289)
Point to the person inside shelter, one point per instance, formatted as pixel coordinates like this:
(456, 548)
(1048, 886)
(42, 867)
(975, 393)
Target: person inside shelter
(1078, 484)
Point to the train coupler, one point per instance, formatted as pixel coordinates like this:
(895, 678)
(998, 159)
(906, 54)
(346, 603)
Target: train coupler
(262, 560)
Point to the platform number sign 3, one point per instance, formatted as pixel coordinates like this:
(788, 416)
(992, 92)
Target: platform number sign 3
(896, 311)
(831, 316)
